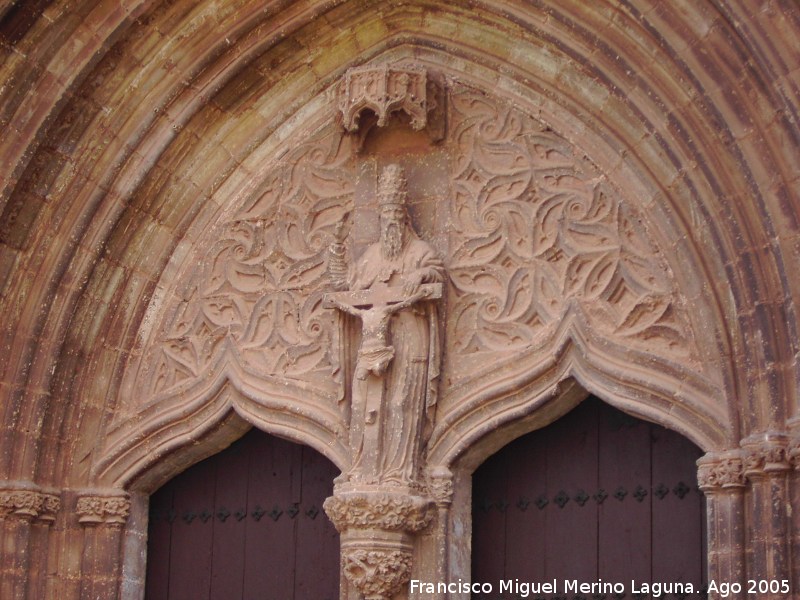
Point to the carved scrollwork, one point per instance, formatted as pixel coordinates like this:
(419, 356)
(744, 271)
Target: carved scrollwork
(377, 574)
(259, 293)
(539, 232)
(384, 511)
(721, 473)
(95, 509)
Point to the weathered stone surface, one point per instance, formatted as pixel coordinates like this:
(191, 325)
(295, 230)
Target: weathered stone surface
(611, 187)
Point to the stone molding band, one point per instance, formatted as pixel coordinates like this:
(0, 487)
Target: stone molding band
(29, 502)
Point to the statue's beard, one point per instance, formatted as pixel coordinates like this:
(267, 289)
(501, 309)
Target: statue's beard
(392, 240)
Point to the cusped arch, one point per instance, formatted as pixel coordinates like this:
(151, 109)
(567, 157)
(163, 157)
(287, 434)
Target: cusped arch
(142, 452)
(571, 366)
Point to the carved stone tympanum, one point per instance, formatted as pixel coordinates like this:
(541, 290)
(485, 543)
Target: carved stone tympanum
(387, 359)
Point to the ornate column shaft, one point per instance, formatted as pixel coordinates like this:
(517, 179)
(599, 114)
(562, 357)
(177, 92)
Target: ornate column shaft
(103, 514)
(766, 467)
(25, 510)
(721, 479)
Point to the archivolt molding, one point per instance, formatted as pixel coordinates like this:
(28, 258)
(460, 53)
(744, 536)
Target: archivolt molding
(540, 387)
(185, 104)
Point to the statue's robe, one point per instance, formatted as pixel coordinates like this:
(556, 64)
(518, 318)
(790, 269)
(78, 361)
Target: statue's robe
(410, 383)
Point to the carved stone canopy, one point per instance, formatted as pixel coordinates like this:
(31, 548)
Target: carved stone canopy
(387, 89)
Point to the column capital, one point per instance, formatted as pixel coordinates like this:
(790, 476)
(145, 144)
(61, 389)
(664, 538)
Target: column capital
(720, 471)
(26, 500)
(793, 451)
(440, 485)
(765, 453)
(98, 507)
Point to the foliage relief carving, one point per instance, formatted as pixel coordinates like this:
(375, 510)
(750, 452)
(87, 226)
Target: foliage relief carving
(259, 294)
(538, 232)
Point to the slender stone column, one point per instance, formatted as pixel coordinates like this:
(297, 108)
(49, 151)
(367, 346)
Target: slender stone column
(794, 496)
(24, 511)
(766, 467)
(103, 514)
(440, 484)
(721, 479)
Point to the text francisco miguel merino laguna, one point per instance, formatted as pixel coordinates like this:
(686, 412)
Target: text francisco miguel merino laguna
(524, 588)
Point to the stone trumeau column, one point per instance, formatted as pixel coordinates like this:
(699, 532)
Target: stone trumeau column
(766, 467)
(721, 478)
(103, 515)
(26, 513)
(382, 502)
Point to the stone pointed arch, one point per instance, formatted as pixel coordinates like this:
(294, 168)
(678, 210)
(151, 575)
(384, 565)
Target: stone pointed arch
(201, 420)
(575, 362)
(555, 272)
(125, 144)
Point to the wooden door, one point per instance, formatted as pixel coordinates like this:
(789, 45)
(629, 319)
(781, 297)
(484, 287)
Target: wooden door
(245, 524)
(597, 496)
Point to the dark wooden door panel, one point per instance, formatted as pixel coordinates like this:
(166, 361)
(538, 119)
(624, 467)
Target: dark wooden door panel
(596, 495)
(245, 524)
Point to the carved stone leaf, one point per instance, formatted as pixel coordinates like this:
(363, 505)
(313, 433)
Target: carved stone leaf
(589, 275)
(519, 300)
(547, 292)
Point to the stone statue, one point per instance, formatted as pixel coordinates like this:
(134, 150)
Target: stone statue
(391, 288)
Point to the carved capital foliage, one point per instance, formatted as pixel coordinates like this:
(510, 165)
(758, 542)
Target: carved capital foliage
(28, 503)
(386, 511)
(377, 574)
(766, 456)
(105, 508)
(377, 528)
(794, 453)
(720, 472)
